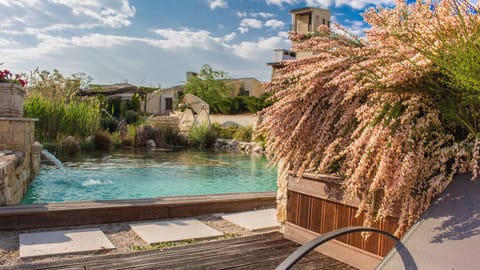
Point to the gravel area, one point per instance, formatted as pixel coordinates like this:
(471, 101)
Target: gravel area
(120, 234)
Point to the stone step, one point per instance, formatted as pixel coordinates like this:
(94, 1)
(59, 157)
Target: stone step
(174, 230)
(62, 242)
(257, 220)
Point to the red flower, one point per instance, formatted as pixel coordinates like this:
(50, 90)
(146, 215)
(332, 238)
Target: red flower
(7, 76)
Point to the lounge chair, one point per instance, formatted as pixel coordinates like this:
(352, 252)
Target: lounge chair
(447, 236)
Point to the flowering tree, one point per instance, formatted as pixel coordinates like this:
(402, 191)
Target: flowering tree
(389, 113)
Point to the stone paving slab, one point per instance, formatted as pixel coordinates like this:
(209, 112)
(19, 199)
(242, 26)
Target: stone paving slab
(62, 242)
(256, 220)
(173, 230)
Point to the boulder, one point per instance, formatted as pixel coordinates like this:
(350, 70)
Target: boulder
(257, 149)
(150, 143)
(70, 145)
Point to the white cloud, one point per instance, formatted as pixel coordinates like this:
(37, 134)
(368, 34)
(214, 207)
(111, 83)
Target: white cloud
(274, 24)
(230, 37)
(261, 49)
(182, 38)
(109, 13)
(246, 24)
(7, 42)
(281, 2)
(355, 27)
(283, 34)
(214, 4)
(242, 29)
(160, 59)
(320, 3)
(241, 14)
(360, 4)
(74, 36)
(264, 15)
(33, 16)
(356, 4)
(251, 23)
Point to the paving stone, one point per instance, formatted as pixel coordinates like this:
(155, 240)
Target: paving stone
(173, 230)
(62, 242)
(256, 220)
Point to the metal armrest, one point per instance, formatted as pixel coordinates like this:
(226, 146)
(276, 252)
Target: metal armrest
(307, 247)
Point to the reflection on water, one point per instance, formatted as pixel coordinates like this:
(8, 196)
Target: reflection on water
(144, 174)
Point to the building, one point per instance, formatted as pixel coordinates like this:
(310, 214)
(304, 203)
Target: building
(304, 21)
(165, 101)
(250, 87)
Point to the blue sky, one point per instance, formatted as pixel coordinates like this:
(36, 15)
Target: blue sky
(154, 42)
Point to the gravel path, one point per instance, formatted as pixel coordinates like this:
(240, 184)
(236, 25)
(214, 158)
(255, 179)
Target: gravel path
(120, 234)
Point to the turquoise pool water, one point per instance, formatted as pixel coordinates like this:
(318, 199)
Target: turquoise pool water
(132, 175)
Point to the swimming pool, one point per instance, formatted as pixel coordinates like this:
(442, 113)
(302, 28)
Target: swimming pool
(147, 174)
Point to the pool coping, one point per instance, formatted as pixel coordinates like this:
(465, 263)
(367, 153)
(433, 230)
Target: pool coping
(97, 212)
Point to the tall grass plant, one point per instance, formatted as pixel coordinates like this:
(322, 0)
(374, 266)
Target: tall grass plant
(57, 119)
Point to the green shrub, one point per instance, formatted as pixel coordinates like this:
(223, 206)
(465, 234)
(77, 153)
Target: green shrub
(116, 138)
(131, 117)
(253, 104)
(202, 137)
(88, 143)
(103, 141)
(240, 104)
(243, 134)
(70, 145)
(148, 132)
(223, 132)
(50, 146)
(108, 123)
(171, 135)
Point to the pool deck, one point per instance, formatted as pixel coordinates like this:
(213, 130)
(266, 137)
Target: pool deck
(263, 251)
(98, 212)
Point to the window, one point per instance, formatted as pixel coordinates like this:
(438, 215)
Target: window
(169, 104)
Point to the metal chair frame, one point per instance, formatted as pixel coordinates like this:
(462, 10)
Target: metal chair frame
(309, 246)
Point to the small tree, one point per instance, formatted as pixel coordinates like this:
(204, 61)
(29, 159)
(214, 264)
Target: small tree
(55, 86)
(211, 86)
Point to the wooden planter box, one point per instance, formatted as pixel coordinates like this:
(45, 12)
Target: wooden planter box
(11, 100)
(315, 206)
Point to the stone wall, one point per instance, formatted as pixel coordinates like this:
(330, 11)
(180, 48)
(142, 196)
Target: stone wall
(282, 190)
(19, 158)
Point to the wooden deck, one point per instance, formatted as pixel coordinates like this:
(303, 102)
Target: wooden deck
(97, 212)
(264, 251)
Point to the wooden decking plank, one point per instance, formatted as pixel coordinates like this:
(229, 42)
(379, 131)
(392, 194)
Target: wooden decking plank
(179, 251)
(230, 259)
(199, 257)
(264, 251)
(322, 264)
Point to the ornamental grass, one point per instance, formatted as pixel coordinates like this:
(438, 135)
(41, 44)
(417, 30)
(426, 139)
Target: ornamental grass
(394, 113)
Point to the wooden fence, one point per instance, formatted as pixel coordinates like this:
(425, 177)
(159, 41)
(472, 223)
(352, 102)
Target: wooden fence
(315, 203)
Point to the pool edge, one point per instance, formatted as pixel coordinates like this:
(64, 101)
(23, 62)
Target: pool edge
(98, 212)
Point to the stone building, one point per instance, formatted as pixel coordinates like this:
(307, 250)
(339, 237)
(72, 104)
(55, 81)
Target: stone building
(304, 21)
(165, 101)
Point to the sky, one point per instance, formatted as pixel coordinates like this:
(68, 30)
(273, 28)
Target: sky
(155, 42)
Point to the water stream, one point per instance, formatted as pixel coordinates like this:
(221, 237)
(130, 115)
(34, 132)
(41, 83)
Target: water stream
(55, 161)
